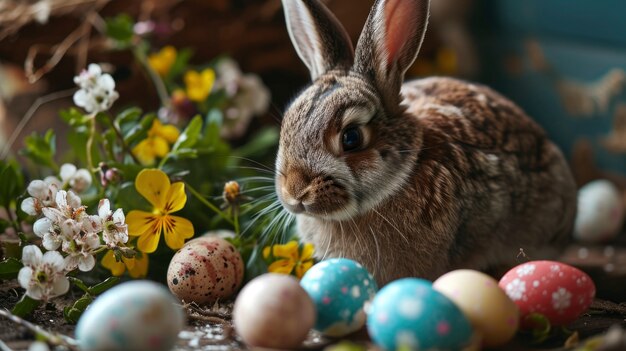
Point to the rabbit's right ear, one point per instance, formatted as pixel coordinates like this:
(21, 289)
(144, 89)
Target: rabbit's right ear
(320, 40)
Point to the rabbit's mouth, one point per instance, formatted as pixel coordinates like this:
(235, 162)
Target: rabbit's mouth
(322, 197)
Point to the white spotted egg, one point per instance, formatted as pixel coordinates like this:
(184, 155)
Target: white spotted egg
(488, 308)
(600, 214)
(408, 314)
(205, 269)
(339, 288)
(555, 290)
(137, 315)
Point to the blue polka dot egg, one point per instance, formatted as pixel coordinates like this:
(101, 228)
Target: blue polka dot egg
(339, 289)
(408, 314)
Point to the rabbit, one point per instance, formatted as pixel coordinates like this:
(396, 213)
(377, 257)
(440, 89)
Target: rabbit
(413, 179)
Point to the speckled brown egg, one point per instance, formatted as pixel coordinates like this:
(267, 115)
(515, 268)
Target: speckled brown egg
(205, 269)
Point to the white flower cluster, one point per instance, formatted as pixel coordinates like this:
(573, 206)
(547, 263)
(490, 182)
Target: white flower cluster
(248, 96)
(97, 90)
(71, 236)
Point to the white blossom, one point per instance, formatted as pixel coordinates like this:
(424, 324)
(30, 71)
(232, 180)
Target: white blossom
(42, 194)
(43, 274)
(97, 90)
(114, 228)
(81, 252)
(78, 179)
(248, 97)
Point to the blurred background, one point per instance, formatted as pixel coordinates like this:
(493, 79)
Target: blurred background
(563, 61)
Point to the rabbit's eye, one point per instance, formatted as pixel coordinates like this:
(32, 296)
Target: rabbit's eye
(351, 139)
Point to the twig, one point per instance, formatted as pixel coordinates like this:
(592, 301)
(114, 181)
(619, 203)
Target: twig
(59, 52)
(29, 114)
(52, 338)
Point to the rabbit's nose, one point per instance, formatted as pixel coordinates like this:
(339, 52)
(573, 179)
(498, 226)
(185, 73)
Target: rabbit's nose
(295, 190)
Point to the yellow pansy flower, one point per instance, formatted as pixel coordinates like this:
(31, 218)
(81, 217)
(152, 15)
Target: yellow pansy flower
(290, 257)
(199, 84)
(157, 144)
(162, 61)
(166, 198)
(137, 267)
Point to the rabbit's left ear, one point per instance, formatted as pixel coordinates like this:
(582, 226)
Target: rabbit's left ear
(320, 40)
(390, 41)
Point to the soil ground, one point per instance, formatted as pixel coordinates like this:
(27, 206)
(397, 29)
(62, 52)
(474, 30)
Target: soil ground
(211, 328)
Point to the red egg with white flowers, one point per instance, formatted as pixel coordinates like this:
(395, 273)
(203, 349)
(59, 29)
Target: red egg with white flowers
(558, 291)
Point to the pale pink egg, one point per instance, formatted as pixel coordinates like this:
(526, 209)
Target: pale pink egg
(558, 291)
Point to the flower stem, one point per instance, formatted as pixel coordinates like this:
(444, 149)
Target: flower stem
(156, 80)
(204, 201)
(235, 220)
(121, 138)
(92, 135)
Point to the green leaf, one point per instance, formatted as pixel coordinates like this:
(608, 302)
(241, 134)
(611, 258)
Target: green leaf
(189, 136)
(104, 286)
(185, 153)
(180, 64)
(11, 182)
(79, 283)
(214, 121)
(72, 313)
(120, 29)
(139, 131)
(41, 149)
(255, 266)
(130, 115)
(259, 144)
(9, 268)
(74, 117)
(25, 306)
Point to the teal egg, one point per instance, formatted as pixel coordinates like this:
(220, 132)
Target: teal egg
(339, 289)
(409, 314)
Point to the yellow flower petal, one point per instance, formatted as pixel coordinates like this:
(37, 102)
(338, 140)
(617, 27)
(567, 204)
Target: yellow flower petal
(149, 242)
(140, 266)
(162, 61)
(144, 151)
(302, 267)
(199, 85)
(307, 252)
(176, 198)
(266, 252)
(109, 262)
(288, 250)
(281, 266)
(166, 131)
(153, 185)
(140, 222)
(176, 230)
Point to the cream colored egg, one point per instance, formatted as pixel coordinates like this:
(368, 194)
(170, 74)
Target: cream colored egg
(489, 309)
(204, 270)
(273, 311)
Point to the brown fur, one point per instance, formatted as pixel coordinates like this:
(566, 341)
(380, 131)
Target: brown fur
(455, 176)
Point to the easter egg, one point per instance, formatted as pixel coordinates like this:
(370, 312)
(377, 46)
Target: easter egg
(273, 311)
(339, 289)
(137, 315)
(488, 308)
(558, 291)
(600, 214)
(408, 314)
(204, 270)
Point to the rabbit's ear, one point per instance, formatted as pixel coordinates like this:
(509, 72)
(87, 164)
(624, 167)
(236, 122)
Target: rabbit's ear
(320, 40)
(389, 43)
